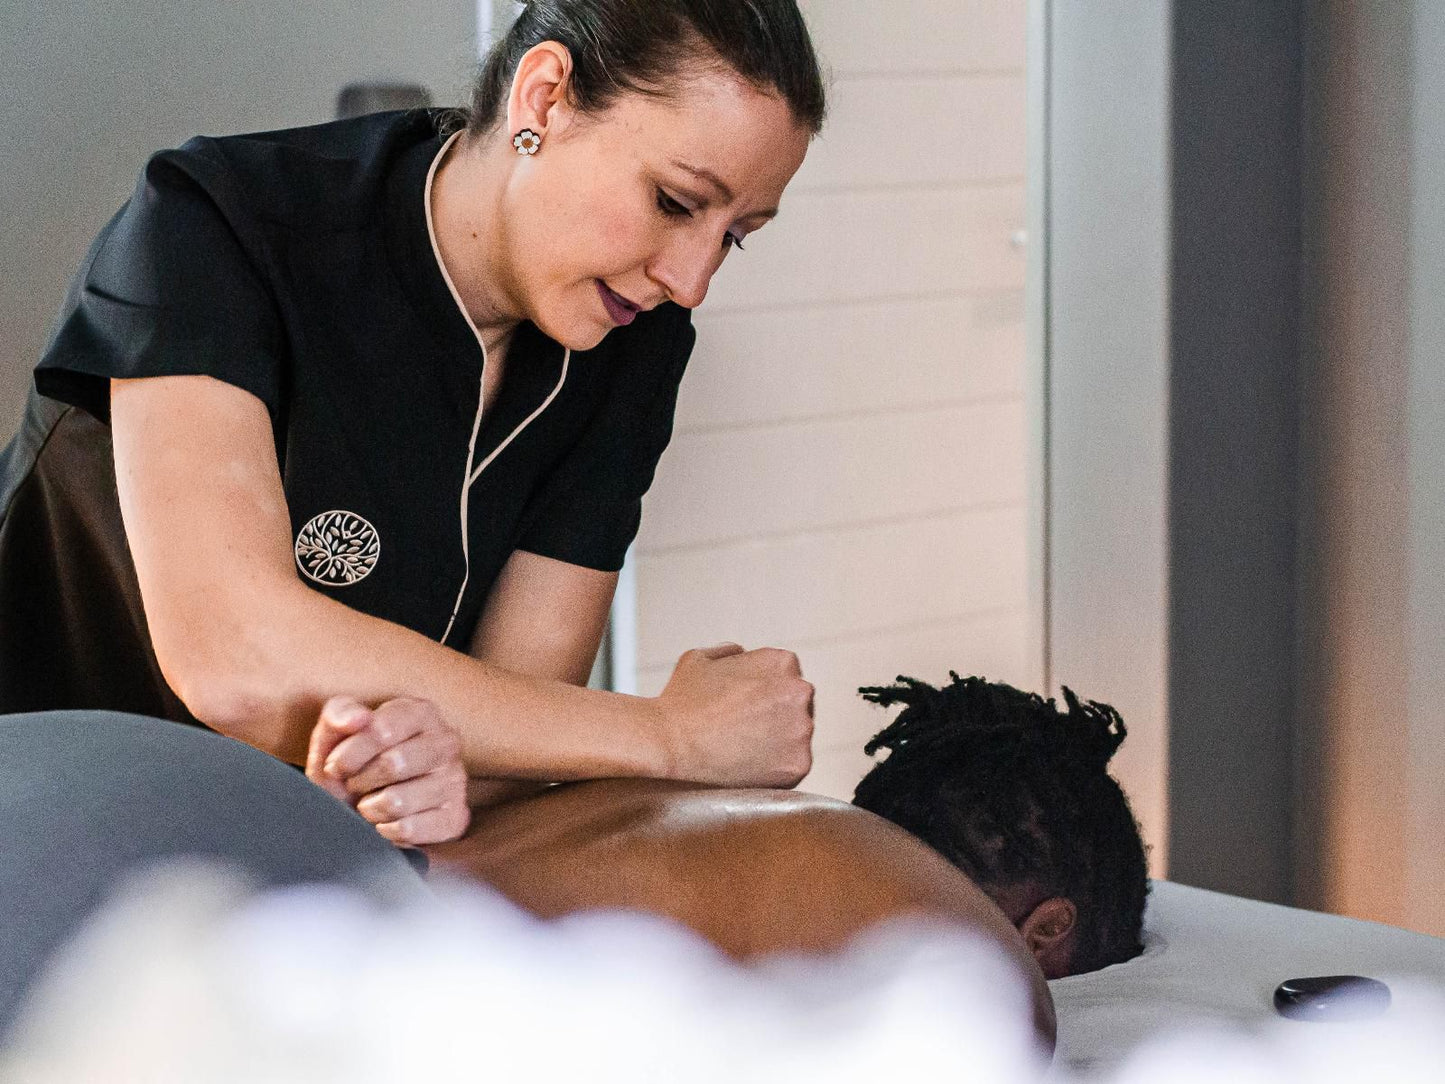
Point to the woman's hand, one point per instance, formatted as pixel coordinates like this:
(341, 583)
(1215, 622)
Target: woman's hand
(740, 718)
(399, 766)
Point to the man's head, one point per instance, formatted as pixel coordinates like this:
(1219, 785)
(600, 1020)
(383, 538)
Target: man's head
(1017, 794)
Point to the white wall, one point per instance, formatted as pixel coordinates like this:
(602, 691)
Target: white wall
(92, 87)
(849, 476)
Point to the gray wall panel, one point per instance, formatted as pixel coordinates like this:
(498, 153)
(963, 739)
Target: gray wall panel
(91, 88)
(1233, 439)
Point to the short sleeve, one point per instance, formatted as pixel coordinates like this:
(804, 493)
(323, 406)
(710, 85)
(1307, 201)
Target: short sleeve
(168, 289)
(589, 507)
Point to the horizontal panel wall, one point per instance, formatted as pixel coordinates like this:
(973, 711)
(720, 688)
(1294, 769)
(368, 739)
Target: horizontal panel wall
(830, 582)
(910, 131)
(859, 37)
(849, 473)
(849, 246)
(853, 469)
(854, 359)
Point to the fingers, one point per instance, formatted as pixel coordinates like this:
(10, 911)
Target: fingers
(740, 718)
(426, 752)
(393, 723)
(399, 764)
(444, 787)
(431, 826)
(781, 659)
(790, 775)
(776, 658)
(717, 651)
(795, 703)
(340, 718)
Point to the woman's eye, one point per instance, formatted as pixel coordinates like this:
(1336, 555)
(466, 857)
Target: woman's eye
(670, 206)
(673, 209)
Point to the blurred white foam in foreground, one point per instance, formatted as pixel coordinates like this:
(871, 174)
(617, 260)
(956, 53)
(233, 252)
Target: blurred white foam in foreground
(190, 977)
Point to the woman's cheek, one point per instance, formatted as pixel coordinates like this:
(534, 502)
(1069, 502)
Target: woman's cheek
(624, 238)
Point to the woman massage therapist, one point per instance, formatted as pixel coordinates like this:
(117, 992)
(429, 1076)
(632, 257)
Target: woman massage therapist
(368, 409)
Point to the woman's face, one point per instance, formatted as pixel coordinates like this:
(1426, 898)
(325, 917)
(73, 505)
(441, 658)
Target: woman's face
(619, 212)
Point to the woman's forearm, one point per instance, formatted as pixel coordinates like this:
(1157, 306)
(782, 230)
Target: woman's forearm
(264, 676)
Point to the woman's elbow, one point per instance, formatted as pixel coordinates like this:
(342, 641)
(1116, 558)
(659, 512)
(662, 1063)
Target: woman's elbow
(241, 684)
(242, 711)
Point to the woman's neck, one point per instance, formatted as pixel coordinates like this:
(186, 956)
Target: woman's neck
(471, 240)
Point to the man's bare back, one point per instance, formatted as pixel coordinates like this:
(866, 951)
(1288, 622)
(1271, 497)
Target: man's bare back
(754, 871)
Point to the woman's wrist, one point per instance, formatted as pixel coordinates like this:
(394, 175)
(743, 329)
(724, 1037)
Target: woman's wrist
(661, 740)
(560, 732)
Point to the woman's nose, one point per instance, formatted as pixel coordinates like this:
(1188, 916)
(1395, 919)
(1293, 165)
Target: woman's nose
(685, 271)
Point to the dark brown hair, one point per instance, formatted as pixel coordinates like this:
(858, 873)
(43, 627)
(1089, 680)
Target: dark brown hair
(636, 45)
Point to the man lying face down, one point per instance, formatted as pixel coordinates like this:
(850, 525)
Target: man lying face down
(1018, 796)
(993, 809)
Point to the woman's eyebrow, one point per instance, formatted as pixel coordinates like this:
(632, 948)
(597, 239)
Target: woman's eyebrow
(720, 186)
(709, 176)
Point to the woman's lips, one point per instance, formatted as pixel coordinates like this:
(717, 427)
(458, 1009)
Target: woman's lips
(618, 307)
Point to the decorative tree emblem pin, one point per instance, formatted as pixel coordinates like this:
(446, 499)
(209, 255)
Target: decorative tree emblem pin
(337, 548)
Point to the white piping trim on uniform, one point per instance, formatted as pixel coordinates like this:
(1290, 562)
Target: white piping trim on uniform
(469, 476)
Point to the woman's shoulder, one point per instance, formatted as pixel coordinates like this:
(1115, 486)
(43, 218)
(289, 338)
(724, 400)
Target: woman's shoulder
(321, 176)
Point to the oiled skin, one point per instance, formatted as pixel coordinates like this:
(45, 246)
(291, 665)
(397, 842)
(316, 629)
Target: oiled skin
(753, 871)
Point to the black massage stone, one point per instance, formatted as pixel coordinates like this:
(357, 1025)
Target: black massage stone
(1332, 998)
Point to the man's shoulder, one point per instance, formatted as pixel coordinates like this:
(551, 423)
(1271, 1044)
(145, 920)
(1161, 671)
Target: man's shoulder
(696, 805)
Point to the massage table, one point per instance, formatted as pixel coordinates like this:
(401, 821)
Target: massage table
(1214, 960)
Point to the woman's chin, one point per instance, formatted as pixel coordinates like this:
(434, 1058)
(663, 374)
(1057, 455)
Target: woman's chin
(576, 333)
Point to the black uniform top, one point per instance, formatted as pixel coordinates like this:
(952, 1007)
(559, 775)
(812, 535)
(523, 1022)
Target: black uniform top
(298, 266)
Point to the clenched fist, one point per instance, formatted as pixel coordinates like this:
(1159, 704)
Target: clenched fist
(399, 765)
(739, 718)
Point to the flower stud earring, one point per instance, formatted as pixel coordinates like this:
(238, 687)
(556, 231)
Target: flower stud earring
(526, 141)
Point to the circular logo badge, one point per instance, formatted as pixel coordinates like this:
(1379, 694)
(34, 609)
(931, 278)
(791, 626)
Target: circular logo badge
(337, 548)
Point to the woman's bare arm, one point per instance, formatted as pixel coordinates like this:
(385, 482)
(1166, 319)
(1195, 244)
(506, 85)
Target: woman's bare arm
(545, 618)
(254, 653)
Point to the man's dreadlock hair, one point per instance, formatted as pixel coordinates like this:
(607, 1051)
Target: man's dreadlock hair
(1014, 791)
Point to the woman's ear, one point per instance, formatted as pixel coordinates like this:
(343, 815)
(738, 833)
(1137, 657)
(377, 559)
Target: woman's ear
(539, 88)
(1050, 931)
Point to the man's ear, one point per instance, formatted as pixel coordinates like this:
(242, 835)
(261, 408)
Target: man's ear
(1050, 931)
